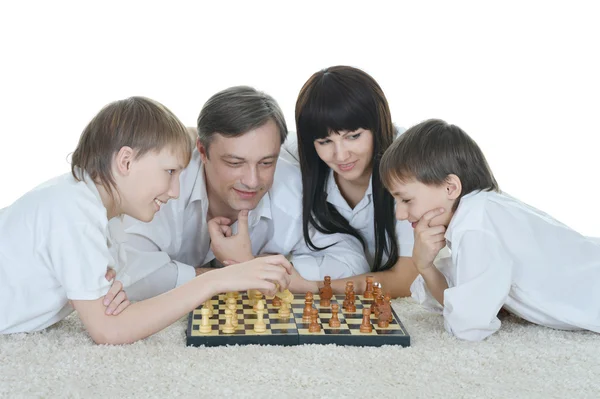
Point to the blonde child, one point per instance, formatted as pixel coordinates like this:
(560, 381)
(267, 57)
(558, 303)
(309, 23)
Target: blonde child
(504, 253)
(56, 243)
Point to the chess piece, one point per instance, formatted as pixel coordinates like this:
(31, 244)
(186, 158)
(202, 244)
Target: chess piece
(205, 327)
(365, 326)
(369, 289)
(276, 301)
(334, 321)
(325, 293)
(314, 325)
(376, 294)
(349, 305)
(286, 298)
(308, 301)
(228, 326)
(385, 312)
(257, 298)
(232, 305)
(208, 305)
(260, 325)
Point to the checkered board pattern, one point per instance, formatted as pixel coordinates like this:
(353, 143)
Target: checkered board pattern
(294, 331)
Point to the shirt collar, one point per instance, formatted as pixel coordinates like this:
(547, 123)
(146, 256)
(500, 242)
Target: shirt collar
(335, 197)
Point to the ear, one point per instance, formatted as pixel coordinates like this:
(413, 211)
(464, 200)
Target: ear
(202, 150)
(453, 186)
(123, 160)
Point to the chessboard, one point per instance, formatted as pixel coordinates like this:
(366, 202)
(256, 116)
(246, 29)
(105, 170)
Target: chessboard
(293, 331)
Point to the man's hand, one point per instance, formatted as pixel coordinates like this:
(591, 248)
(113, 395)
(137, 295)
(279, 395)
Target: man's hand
(429, 241)
(115, 299)
(226, 246)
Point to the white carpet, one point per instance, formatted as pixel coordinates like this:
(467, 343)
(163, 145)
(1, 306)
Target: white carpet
(521, 361)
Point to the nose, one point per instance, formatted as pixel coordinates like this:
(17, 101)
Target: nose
(173, 189)
(341, 152)
(401, 212)
(250, 177)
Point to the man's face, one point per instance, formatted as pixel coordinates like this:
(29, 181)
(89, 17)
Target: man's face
(239, 170)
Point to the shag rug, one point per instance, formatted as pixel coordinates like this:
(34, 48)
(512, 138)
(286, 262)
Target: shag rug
(520, 361)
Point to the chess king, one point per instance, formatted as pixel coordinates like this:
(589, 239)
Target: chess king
(238, 199)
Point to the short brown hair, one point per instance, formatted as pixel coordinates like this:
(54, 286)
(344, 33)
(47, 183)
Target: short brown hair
(432, 150)
(140, 123)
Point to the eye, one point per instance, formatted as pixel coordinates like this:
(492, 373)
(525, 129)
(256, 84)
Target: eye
(354, 136)
(171, 171)
(405, 201)
(323, 142)
(267, 163)
(234, 164)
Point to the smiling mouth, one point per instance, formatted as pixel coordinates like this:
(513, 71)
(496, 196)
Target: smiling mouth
(245, 194)
(347, 166)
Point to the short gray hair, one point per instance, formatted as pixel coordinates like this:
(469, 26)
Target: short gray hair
(238, 110)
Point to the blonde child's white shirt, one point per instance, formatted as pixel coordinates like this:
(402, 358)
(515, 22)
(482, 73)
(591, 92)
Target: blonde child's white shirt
(505, 253)
(55, 246)
(178, 235)
(362, 217)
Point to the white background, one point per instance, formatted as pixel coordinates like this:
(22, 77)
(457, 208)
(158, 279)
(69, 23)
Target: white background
(522, 78)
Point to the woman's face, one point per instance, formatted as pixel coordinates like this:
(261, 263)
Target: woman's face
(348, 153)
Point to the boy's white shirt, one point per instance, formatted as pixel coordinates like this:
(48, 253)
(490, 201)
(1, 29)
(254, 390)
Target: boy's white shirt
(55, 246)
(505, 253)
(178, 234)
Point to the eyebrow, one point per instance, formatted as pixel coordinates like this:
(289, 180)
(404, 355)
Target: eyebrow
(243, 159)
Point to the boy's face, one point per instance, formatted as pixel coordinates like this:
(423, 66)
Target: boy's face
(152, 180)
(239, 170)
(414, 199)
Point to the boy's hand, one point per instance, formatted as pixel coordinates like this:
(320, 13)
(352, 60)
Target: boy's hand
(263, 274)
(428, 240)
(226, 246)
(115, 299)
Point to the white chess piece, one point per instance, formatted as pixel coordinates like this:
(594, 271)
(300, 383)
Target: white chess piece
(228, 328)
(260, 325)
(205, 327)
(232, 305)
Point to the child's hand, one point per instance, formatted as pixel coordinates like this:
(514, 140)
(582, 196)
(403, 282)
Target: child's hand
(230, 247)
(429, 241)
(115, 299)
(261, 274)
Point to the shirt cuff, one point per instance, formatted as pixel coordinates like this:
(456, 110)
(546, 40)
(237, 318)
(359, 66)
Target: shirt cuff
(185, 273)
(308, 267)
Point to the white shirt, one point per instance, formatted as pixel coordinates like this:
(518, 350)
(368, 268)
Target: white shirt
(55, 246)
(362, 216)
(505, 253)
(178, 235)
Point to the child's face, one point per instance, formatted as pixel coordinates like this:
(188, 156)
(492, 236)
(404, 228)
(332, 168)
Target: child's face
(152, 180)
(414, 199)
(349, 154)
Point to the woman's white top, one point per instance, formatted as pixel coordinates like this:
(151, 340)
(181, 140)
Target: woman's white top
(505, 253)
(55, 246)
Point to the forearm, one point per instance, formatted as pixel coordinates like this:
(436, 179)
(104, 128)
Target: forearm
(148, 317)
(436, 283)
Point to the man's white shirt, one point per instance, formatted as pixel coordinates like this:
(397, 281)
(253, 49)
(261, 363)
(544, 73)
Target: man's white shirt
(165, 251)
(505, 253)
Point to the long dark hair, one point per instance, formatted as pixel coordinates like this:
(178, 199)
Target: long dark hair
(336, 99)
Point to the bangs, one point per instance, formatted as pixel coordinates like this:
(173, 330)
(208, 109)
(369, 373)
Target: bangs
(334, 108)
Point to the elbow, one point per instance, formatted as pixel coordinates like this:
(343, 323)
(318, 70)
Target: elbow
(107, 336)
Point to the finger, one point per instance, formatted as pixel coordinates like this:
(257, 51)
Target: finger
(432, 231)
(268, 288)
(278, 275)
(228, 262)
(112, 292)
(110, 274)
(426, 218)
(243, 222)
(226, 230)
(280, 260)
(121, 307)
(119, 298)
(214, 229)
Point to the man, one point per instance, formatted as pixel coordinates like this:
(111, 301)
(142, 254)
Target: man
(237, 200)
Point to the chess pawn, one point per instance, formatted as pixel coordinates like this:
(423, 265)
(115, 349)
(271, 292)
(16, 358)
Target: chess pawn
(205, 327)
(369, 289)
(257, 298)
(314, 325)
(334, 321)
(365, 326)
(232, 305)
(228, 326)
(284, 310)
(376, 294)
(349, 290)
(260, 325)
(308, 300)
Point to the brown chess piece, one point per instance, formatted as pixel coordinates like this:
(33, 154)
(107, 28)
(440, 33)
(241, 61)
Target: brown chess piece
(276, 302)
(308, 301)
(365, 326)
(334, 321)
(314, 325)
(385, 312)
(374, 304)
(369, 290)
(326, 293)
(349, 300)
